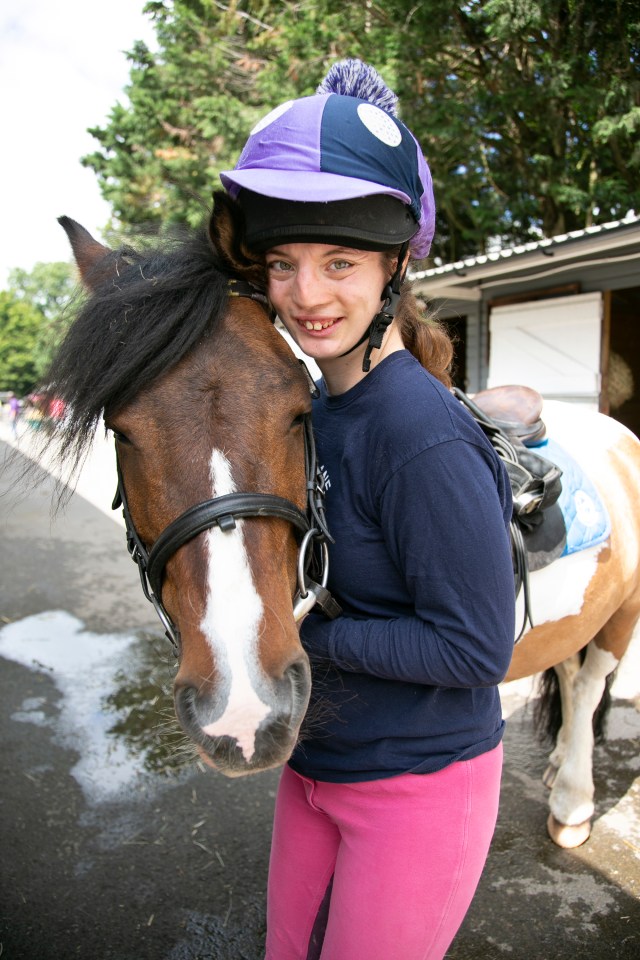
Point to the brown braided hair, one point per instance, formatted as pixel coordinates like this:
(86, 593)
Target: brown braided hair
(422, 334)
(425, 337)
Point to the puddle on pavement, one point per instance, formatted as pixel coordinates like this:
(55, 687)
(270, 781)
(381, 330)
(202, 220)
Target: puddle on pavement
(116, 709)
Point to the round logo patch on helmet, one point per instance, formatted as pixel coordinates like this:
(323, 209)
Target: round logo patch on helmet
(271, 117)
(380, 124)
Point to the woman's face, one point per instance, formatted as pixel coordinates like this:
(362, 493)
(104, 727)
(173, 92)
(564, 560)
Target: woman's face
(326, 296)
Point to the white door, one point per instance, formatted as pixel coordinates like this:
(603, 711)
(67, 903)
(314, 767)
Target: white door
(550, 345)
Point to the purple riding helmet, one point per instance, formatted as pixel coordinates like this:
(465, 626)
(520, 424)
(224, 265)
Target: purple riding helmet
(338, 167)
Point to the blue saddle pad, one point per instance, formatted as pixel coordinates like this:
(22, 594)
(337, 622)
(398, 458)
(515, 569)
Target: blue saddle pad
(585, 515)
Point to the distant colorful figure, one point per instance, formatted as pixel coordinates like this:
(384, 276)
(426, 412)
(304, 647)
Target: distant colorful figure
(14, 414)
(56, 408)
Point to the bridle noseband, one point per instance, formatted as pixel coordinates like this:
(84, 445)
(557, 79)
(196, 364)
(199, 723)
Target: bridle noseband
(223, 511)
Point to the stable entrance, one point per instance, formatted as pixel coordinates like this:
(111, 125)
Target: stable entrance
(583, 349)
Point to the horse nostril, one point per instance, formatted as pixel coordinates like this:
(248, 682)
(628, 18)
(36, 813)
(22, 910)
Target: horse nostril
(298, 674)
(184, 697)
(299, 669)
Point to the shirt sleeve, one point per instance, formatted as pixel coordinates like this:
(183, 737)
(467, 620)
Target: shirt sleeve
(443, 517)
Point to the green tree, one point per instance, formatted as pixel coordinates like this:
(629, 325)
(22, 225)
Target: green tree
(190, 104)
(527, 110)
(47, 289)
(20, 326)
(218, 68)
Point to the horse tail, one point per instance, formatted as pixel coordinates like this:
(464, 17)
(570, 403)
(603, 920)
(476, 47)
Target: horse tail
(547, 711)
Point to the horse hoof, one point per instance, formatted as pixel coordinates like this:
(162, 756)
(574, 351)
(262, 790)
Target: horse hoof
(568, 836)
(549, 776)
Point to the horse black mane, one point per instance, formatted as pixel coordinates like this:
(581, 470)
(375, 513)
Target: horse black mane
(153, 308)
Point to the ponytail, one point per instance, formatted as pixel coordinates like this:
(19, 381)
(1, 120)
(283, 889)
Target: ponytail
(425, 337)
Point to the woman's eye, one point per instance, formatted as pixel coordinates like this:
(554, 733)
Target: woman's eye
(340, 265)
(280, 266)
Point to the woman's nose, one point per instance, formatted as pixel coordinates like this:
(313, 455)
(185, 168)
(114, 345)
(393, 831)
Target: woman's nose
(308, 288)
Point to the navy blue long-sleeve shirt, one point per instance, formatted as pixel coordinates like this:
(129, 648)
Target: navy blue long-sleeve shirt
(418, 503)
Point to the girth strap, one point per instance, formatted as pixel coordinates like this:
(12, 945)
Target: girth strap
(223, 512)
(535, 486)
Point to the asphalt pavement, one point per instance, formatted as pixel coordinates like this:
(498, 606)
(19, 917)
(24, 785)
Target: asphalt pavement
(115, 844)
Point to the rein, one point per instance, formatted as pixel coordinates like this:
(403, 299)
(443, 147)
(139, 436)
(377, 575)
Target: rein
(223, 511)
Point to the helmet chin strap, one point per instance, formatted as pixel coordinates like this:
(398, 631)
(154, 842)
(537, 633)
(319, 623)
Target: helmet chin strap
(378, 327)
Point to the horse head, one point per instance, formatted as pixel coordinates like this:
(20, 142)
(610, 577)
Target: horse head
(206, 401)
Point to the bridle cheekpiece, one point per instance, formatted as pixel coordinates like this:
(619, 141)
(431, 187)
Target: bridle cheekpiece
(223, 511)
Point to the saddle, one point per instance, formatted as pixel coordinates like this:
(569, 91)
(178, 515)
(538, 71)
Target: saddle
(517, 410)
(510, 416)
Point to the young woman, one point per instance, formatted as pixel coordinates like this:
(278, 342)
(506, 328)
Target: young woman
(387, 807)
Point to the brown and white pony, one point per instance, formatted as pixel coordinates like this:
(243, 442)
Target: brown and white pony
(206, 400)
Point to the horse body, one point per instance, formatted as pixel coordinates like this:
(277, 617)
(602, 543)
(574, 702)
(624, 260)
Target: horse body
(214, 406)
(588, 601)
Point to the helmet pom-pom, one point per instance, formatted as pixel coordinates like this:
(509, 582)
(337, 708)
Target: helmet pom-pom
(353, 78)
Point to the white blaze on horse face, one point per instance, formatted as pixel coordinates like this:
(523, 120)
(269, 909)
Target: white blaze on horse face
(231, 622)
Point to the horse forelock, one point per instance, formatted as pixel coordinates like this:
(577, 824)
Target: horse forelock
(136, 325)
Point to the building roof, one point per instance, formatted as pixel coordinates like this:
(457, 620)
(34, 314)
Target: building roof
(619, 239)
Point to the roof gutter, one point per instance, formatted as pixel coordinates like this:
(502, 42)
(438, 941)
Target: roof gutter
(465, 279)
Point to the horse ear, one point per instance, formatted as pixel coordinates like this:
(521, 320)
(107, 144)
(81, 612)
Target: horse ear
(227, 232)
(95, 261)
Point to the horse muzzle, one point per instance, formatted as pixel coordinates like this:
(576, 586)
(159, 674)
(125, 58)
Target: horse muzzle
(245, 731)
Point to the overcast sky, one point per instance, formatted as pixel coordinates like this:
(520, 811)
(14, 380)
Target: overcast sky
(62, 68)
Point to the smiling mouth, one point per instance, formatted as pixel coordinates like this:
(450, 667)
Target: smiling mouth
(316, 324)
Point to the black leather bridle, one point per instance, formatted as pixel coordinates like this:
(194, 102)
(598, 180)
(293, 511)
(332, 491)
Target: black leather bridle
(223, 511)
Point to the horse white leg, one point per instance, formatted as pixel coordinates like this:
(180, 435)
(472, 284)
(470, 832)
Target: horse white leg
(571, 799)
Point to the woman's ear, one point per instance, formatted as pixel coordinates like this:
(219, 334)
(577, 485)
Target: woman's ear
(403, 256)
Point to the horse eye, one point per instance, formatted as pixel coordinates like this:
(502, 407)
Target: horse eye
(298, 421)
(120, 437)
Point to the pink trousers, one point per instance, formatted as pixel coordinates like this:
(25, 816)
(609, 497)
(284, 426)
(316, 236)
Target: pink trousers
(402, 858)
